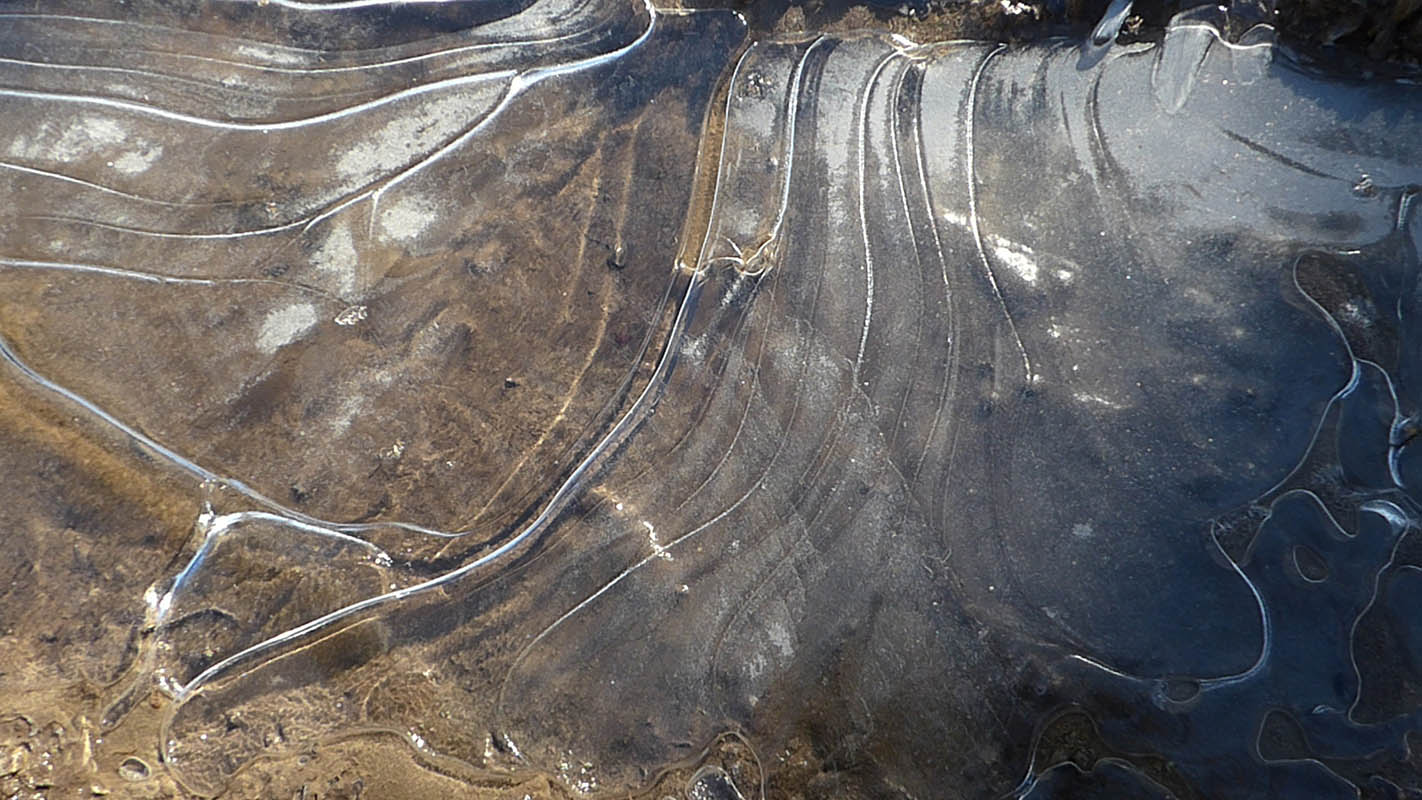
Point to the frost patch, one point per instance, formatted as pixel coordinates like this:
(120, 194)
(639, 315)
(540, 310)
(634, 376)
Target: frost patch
(780, 638)
(351, 407)
(337, 257)
(285, 325)
(957, 220)
(408, 136)
(1016, 257)
(132, 163)
(354, 399)
(82, 137)
(86, 136)
(406, 218)
(270, 55)
(1096, 399)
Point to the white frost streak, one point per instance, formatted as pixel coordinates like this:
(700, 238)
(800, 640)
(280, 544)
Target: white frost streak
(406, 138)
(1016, 257)
(957, 220)
(132, 163)
(658, 549)
(88, 137)
(272, 55)
(781, 639)
(338, 258)
(285, 325)
(405, 219)
(1096, 399)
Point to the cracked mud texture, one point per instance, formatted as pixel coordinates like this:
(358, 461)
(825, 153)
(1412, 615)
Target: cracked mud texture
(344, 455)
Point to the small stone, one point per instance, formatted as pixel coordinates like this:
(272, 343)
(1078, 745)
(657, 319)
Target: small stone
(133, 769)
(351, 315)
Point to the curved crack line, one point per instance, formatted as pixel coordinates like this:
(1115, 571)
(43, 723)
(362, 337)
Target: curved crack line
(192, 468)
(646, 400)
(832, 434)
(946, 387)
(896, 126)
(640, 410)
(723, 513)
(297, 5)
(654, 556)
(264, 92)
(792, 103)
(99, 187)
(753, 598)
(788, 156)
(144, 109)
(215, 527)
(158, 277)
(359, 67)
(372, 189)
(520, 83)
(156, 234)
(755, 369)
(1394, 517)
(860, 161)
(202, 473)
(1266, 647)
(973, 210)
(597, 342)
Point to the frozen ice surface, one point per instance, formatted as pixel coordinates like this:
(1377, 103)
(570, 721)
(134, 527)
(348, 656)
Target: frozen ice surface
(588, 390)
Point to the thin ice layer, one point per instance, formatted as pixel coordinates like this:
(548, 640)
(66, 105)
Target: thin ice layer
(927, 439)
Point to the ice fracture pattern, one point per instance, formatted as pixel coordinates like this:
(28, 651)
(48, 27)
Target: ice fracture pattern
(594, 391)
